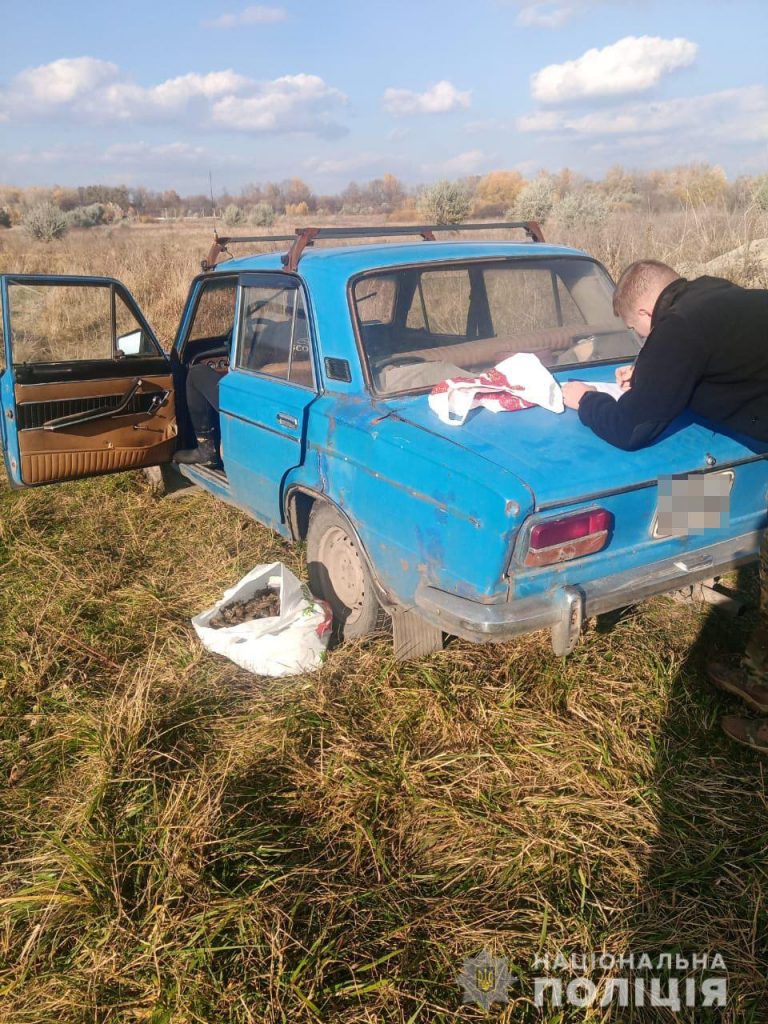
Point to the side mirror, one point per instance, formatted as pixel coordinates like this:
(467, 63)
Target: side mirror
(130, 344)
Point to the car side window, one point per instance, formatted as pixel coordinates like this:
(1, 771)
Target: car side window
(214, 314)
(54, 322)
(130, 337)
(274, 332)
(61, 323)
(376, 301)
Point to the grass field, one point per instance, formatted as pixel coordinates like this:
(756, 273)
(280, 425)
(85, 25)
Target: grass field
(183, 843)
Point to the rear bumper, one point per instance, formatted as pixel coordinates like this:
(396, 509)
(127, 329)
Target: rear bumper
(563, 609)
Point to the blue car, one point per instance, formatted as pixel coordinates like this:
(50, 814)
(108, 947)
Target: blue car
(511, 522)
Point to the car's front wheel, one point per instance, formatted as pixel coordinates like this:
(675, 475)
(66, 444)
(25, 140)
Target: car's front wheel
(339, 575)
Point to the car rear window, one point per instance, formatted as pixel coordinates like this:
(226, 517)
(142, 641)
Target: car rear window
(420, 324)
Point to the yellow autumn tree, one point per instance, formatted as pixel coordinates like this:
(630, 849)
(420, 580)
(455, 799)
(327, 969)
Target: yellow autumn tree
(697, 184)
(496, 193)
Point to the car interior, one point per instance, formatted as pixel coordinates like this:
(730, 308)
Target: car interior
(274, 339)
(276, 346)
(466, 322)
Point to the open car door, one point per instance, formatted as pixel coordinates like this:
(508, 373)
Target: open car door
(85, 387)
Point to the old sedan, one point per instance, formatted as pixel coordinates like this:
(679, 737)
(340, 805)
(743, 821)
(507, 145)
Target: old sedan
(509, 523)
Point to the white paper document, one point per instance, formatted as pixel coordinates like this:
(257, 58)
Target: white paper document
(614, 390)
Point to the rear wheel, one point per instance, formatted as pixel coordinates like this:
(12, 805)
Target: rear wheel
(339, 575)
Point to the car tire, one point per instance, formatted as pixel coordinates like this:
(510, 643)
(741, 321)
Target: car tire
(338, 574)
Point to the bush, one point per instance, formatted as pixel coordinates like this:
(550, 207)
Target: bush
(405, 214)
(5, 218)
(113, 214)
(87, 216)
(535, 201)
(296, 209)
(447, 202)
(356, 209)
(45, 222)
(262, 215)
(760, 193)
(583, 209)
(233, 215)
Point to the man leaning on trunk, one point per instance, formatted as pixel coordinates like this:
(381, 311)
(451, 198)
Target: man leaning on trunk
(706, 349)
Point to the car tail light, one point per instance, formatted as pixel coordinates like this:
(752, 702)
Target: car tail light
(560, 540)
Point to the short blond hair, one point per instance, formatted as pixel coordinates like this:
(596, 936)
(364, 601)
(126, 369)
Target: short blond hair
(637, 280)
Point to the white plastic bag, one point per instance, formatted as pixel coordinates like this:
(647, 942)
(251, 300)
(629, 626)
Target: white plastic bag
(282, 645)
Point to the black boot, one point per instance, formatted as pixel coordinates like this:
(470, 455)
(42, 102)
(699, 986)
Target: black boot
(204, 455)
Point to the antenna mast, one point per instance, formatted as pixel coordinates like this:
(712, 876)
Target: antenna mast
(213, 205)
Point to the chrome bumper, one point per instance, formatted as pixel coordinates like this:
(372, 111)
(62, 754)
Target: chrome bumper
(563, 609)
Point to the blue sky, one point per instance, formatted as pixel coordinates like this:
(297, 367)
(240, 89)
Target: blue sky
(159, 93)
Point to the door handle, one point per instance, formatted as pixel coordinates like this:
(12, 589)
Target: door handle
(73, 420)
(285, 420)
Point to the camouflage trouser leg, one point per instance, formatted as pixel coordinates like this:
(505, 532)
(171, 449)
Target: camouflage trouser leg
(756, 653)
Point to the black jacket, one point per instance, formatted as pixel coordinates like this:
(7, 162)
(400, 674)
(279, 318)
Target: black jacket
(707, 351)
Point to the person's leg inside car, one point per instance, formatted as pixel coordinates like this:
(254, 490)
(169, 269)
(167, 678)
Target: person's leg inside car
(203, 406)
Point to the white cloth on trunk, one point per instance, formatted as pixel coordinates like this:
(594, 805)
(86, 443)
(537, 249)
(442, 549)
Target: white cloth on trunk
(517, 382)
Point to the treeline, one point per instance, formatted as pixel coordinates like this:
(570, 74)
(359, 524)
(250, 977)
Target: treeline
(499, 193)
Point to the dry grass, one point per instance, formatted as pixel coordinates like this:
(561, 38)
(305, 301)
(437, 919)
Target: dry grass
(157, 261)
(185, 844)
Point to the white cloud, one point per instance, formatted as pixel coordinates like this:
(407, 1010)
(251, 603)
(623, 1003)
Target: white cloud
(555, 13)
(345, 165)
(631, 65)
(128, 162)
(734, 116)
(61, 81)
(88, 89)
(542, 121)
(144, 153)
(398, 133)
(463, 163)
(175, 92)
(177, 165)
(58, 155)
(491, 124)
(258, 15)
(546, 15)
(440, 98)
(289, 103)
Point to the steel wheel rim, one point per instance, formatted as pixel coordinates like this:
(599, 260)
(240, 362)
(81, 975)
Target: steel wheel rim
(340, 556)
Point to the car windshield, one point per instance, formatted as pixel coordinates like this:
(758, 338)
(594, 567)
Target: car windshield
(419, 325)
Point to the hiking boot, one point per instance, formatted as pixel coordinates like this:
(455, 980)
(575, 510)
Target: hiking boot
(739, 682)
(750, 732)
(204, 455)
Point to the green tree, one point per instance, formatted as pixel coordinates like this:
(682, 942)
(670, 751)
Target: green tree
(87, 216)
(45, 222)
(760, 193)
(262, 215)
(446, 202)
(535, 200)
(582, 209)
(233, 215)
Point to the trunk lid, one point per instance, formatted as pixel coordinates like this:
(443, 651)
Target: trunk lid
(562, 461)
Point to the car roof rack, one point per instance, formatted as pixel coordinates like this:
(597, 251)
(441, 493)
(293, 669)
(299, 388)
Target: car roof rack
(305, 237)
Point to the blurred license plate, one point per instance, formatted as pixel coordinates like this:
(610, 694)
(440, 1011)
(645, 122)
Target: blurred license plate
(693, 503)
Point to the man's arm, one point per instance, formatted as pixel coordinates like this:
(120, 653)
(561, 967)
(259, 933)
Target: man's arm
(666, 372)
